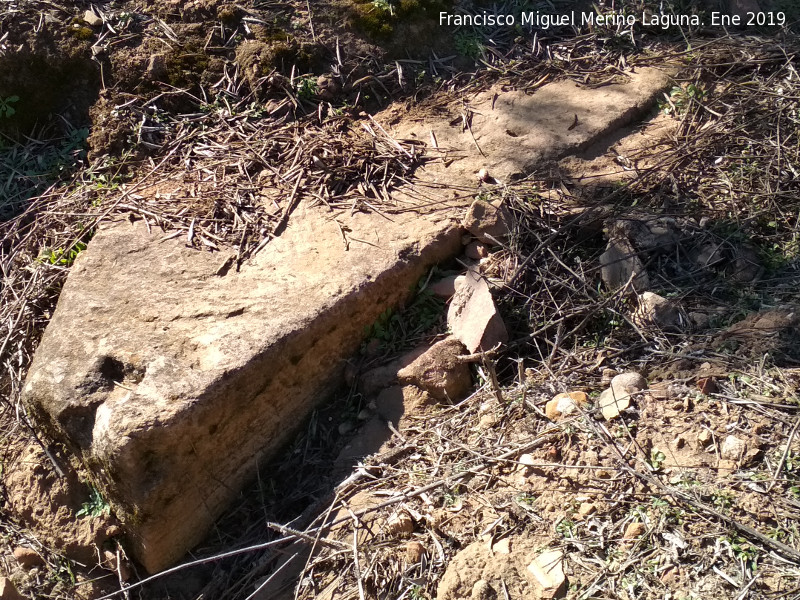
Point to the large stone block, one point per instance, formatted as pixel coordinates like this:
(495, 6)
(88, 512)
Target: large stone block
(173, 381)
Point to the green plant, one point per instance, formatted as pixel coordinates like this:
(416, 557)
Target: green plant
(657, 459)
(680, 98)
(62, 257)
(566, 527)
(6, 110)
(96, 506)
(468, 44)
(306, 88)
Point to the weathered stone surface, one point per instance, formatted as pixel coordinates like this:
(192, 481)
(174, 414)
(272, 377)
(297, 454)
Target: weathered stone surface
(27, 557)
(439, 372)
(516, 131)
(618, 397)
(657, 311)
(473, 316)
(490, 224)
(447, 286)
(172, 381)
(547, 570)
(8, 591)
(565, 404)
(621, 264)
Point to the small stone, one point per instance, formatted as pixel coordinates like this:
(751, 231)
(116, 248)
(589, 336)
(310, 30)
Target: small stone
(619, 264)
(565, 404)
(156, 67)
(400, 524)
(746, 266)
(481, 590)
(706, 385)
(414, 552)
(91, 19)
(669, 575)
(586, 509)
(657, 311)
(27, 557)
(630, 382)
(611, 404)
(726, 467)
(484, 176)
(634, 530)
(439, 372)
(488, 223)
(608, 375)
(733, 448)
(547, 571)
(8, 591)
(502, 546)
(447, 286)
(473, 317)
(346, 427)
(487, 420)
(700, 320)
(328, 87)
(476, 251)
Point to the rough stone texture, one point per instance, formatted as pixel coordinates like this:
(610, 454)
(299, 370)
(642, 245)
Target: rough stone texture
(27, 557)
(490, 224)
(394, 402)
(447, 286)
(439, 372)
(473, 316)
(620, 264)
(516, 131)
(8, 591)
(657, 311)
(547, 570)
(565, 404)
(172, 381)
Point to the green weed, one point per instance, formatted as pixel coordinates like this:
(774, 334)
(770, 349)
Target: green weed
(6, 110)
(96, 506)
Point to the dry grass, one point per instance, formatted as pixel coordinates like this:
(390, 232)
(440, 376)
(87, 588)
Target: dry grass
(228, 176)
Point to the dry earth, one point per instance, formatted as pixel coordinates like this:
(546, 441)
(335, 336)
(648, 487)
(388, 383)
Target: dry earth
(690, 490)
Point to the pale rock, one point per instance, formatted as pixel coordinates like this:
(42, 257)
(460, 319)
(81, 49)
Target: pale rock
(502, 546)
(726, 467)
(733, 448)
(373, 381)
(92, 19)
(489, 223)
(657, 311)
(703, 438)
(447, 286)
(607, 375)
(8, 591)
(619, 263)
(547, 571)
(586, 509)
(439, 371)
(400, 524)
(473, 317)
(27, 557)
(630, 382)
(565, 404)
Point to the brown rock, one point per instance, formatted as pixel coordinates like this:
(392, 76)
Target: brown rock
(700, 320)
(706, 385)
(634, 530)
(27, 557)
(400, 524)
(414, 552)
(473, 316)
(439, 371)
(490, 224)
(502, 546)
(630, 382)
(565, 404)
(547, 570)
(746, 267)
(181, 384)
(586, 509)
(8, 591)
(619, 263)
(394, 402)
